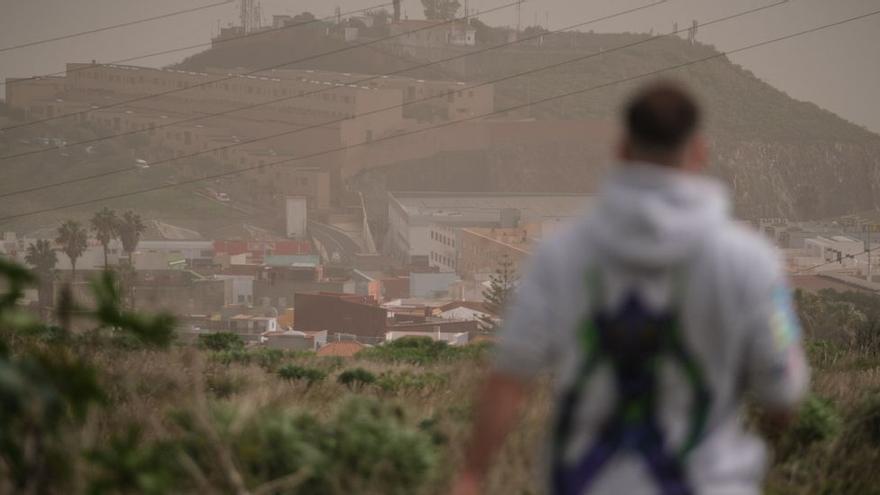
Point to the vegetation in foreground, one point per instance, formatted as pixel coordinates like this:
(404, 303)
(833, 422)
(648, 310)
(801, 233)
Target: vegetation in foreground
(121, 409)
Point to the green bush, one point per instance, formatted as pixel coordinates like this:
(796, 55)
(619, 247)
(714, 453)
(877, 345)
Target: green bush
(356, 378)
(47, 385)
(410, 381)
(267, 358)
(221, 341)
(817, 421)
(866, 421)
(295, 373)
(367, 447)
(421, 350)
(230, 356)
(129, 463)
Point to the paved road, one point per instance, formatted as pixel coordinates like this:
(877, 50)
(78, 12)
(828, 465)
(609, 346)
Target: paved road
(335, 241)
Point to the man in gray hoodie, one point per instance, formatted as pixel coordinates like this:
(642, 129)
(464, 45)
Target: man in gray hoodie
(656, 316)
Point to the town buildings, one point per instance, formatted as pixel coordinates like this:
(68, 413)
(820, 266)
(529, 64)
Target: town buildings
(425, 228)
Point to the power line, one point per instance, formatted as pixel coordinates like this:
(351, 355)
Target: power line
(300, 129)
(820, 265)
(198, 45)
(226, 78)
(114, 26)
(393, 107)
(445, 124)
(385, 109)
(365, 80)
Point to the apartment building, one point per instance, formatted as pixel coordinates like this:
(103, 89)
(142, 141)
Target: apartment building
(423, 227)
(291, 127)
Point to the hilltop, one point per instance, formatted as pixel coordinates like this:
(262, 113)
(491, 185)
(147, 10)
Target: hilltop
(783, 156)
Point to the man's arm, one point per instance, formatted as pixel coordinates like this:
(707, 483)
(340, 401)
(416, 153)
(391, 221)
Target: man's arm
(497, 411)
(776, 367)
(523, 351)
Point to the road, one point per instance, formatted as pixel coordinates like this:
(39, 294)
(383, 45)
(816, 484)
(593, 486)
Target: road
(335, 241)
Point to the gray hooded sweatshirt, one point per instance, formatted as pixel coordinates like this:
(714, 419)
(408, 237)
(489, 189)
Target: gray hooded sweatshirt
(657, 242)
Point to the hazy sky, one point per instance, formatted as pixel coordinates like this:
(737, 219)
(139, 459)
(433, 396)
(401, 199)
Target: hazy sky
(838, 69)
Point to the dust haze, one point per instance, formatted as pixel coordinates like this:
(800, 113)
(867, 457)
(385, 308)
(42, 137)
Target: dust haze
(270, 219)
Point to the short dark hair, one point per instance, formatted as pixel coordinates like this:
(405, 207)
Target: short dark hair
(661, 117)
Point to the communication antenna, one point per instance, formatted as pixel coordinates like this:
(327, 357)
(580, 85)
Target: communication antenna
(250, 15)
(519, 16)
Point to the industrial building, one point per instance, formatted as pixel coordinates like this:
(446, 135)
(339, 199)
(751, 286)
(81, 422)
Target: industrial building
(423, 226)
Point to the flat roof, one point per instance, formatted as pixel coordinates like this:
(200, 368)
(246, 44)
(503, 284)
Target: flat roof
(447, 207)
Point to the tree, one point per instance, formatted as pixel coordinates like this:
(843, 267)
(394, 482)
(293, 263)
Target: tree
(105, 223)
(501, 285)
(73, 239)
(440, 10)
(129, 229)
(43, 258)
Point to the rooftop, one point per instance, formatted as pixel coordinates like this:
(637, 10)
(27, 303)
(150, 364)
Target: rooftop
(341, 349)
(486, 207)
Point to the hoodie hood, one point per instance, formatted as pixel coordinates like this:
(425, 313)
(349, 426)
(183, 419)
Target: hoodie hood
(651, 216)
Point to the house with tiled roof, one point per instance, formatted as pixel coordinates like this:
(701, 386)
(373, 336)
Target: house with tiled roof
(341, 349)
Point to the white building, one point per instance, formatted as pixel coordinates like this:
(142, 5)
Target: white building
(422, 225)
(240, 288)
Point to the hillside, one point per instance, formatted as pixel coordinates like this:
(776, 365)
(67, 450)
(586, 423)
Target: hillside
(184, 206)
(782, 156)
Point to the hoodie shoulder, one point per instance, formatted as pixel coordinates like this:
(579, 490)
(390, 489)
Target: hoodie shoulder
(748, 252)
(566, 247)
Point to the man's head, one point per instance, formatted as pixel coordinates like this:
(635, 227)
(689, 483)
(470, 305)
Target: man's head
(662, 122)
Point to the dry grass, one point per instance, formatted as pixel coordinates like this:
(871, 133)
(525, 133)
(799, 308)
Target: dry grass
(149, 388)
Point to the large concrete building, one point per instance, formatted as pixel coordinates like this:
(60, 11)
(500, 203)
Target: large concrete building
(315, 123)
(423, 228)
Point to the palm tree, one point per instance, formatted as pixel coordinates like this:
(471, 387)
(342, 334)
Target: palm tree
(129, 230)
(105, 223)
(73, 239)
(43, 258)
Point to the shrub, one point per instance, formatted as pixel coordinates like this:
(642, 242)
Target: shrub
(309, 375)
(356, 378)
(421, 350)
(128, 463)
(867, 419)
(367, 447)
(220, 341)
(229, 356)
(47, 386)
(268, 358)
(817, 421)
(408, 380)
